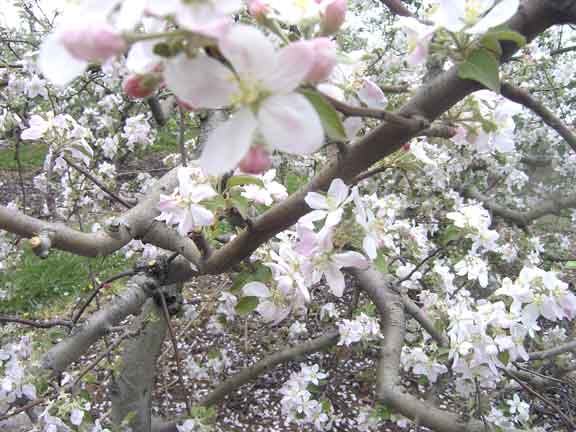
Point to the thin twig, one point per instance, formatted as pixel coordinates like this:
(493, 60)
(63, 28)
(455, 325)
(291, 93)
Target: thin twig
(548, 402)
(176, 352)
(181, 142)
(97, 290)
(37, 324)
(97, 183)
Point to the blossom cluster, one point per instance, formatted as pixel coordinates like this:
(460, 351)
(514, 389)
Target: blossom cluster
(298, 403)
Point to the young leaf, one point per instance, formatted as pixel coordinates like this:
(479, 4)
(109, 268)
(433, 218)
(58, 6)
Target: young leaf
(482, 66)
(246, 305)
(241, 180)
(508, 35)
(328, 116)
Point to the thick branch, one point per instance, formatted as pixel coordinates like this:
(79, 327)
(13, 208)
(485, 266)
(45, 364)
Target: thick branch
(432, 100)
(397, 8)
(523, 97)
(549, 206)
(129, 302)
(553, 352)
(136, 223)
(388, 390)
(35, 323)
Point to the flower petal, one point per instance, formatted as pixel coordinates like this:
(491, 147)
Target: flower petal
(228, 143)
(256, 289)
(201, 215)
(335, 280)
(201, 82)
(291, 124)
(250, 52)
(338, 190)
(316, 200)
(498, 15)
(57, 64)
(294, 62)
(350, 259)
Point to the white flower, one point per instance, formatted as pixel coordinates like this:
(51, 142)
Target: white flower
(329, 207)
(473, 16)
(273, 305)
(262, 90)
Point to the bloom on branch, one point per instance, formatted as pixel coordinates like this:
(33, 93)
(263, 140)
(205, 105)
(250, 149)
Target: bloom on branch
(261, 88)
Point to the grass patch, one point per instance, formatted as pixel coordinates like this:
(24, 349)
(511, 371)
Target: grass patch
(33, 283)
(31, 155)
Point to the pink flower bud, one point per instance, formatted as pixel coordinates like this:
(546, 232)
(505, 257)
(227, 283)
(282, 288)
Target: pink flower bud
(140, 86)
(185, 106)
(93, 43)
(257, 8)
(256, 161)
(334, 16)
(324, 59)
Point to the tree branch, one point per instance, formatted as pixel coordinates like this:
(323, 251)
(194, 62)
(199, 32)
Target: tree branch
(522, 219)
(36, 324)
(429, 102)
(553, 352)
(388, 390)
(523, 97)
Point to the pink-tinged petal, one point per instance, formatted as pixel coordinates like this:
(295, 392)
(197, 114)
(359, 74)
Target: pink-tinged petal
(256, 289)
(57, 64)
(352, 125)
(372, 95)
(201, 82)
(294, 63)
(335, 280)
(201, 192)
(201, 215)
(351, 259)
(309, 219)
(338, 190)
(498, 15)
(325, 238)
(316, 200)
(307, 241)
(186, 224)
(334, 217)
(250, 52)
(291, 124)
(228, 144)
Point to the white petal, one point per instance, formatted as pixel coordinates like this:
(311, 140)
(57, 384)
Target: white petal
(350, 259)
(290, 123)
(56, 63)
(250, 52)
(338, 190)
(316, 200)
(334, 217)
(308, 219)
(201, 215)
(450, 15)
(201, 82)
(335, 280)
(372, 95)
(498, 15)
(228, 144)
(370, 247)
(294, 62)
(256, 289)
(202, 192)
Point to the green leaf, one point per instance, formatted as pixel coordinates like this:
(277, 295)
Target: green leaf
(328, 115)
(294, 182)
(492, 44)
(571, 265)
(481, 66)
(246, 305)
(381, 263)
(241, 180)
(504, 357)
(450, 234)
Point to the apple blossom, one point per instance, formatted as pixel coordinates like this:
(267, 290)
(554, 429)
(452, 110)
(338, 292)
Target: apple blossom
(274, 304)
(333, 16)
(372, 95)
(256, 161)
(473, 16)
(329, 207)
(270, 192)
(183, 205)
(324, 59)
(262, 90)
(140, 86)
